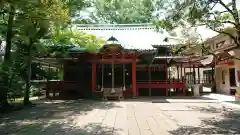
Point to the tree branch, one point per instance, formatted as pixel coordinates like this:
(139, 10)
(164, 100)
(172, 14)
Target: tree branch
(215, 3)
(235, 11)
(226, 7)
(223, 12)
(226, 33)
(209, 52)
(228, 22)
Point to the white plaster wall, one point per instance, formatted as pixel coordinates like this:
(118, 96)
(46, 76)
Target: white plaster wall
(222, 88)
(237, 65)
(225, 88)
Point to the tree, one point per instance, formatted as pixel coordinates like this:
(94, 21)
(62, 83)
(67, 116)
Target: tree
(75, 37)
(75, 8)
(34, 23)
(191, 39)
(214, 14)
(28, 21)
(9, 9)
(124, 11)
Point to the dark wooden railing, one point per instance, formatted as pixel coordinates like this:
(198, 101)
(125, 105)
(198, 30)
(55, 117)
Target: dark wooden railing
(60, 87)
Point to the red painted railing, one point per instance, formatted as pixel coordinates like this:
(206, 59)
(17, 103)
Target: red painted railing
(58, 86)
(161, 84)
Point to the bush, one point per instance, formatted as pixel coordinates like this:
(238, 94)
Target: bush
(35, 91)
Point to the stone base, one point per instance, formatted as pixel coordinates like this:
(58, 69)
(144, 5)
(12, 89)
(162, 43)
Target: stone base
(134, 97)
(118, 94)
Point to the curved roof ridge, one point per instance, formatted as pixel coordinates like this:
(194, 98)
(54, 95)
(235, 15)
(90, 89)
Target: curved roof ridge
(115, 25)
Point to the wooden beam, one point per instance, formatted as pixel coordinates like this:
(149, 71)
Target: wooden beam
(199, 76)
(116, 61)
(181, 72)
(178, 72)
(194, 74)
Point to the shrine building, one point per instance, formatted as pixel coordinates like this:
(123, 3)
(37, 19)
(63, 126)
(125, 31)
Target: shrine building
(121, 68)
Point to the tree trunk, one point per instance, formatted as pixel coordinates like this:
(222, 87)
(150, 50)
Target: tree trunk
(5, 75)
(26, 100)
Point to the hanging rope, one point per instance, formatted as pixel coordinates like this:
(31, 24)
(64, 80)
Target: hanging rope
(124, 83)
(102, 89)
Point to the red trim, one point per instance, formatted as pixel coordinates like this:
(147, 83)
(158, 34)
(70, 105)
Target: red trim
(111, 60)
(134, 87)
(226, 62)
(93, 77)
(161, 84)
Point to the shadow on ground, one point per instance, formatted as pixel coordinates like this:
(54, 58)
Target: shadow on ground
(50, 117)
(173, 99)
(226, 122)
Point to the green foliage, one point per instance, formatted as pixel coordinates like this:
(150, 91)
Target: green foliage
(35, 90)
(179, 13)
(25, 22)
(75, 6)
(89, 41)
(124, 11)
(74, 37)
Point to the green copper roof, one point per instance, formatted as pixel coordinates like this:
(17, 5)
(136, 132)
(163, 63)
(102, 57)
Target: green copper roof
(78, 49)
(130, 36)
(59, 46)
(69, 48)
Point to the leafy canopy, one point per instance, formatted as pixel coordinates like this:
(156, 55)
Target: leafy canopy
(75, 37)
(124, 11)
(214, 14)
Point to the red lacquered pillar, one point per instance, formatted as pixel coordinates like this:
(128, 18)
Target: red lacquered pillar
(166, 79)
(134, 85)
(93, 77)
